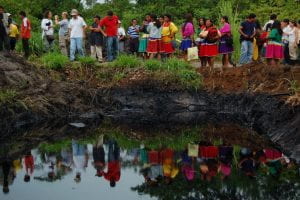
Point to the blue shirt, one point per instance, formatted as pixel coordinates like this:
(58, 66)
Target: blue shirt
(248, 28)
(132, 31)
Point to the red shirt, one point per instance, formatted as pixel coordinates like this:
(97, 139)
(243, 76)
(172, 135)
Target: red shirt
(26, 29)
(29, 164)
(113, 171)
(111, 25)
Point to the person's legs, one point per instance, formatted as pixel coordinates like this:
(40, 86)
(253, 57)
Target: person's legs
(46, 44)
(25, 43)
(286, 54)
(99, 53)
(63, 45)
(136, 45)
(115, 47)
(72, 49)
(244, 52)
(1, 43)
(93, 51)
(109, 46)
(79, 43)
(13, 42)
(249, 52)
(7, 44)
(292, 53)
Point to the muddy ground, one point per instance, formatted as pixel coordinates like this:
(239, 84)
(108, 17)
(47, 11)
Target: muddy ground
(253, 96)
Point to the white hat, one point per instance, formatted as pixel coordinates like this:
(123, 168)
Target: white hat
(8, 14)
(74, 12)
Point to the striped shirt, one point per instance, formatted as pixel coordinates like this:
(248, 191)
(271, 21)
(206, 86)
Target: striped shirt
(132, 31)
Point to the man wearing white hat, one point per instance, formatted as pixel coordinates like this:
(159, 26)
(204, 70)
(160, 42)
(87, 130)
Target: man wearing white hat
(77, 27)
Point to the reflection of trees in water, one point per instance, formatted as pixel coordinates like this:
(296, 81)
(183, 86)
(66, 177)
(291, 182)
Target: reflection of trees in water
(236, 187)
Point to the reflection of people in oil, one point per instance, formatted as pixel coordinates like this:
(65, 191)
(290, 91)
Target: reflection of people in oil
(29, 166)
(99, 156)
(113, 173)
(80, 159)
(7, 175)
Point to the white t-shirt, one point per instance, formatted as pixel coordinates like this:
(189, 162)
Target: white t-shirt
(286, 31)
(76, 26)
(121, 32)
(292, 35)
(47, 27)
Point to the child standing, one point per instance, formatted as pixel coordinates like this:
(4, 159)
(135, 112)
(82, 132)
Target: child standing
(134, 33)
(145, 37)
(13, 34)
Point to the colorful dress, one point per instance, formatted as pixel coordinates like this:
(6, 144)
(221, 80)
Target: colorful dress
(209, 47)
(274, 49)
(144, 39)
(188, 32)
(155, 44)
(225, 47)
(168, 31)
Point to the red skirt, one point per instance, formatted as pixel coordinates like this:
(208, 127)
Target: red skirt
(155, 46)
(208, 50)
(168, 47)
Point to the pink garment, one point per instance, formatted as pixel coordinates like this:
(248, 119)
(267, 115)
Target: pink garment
(226, 28)
(188, 171)
(225, 169)
(188, 31)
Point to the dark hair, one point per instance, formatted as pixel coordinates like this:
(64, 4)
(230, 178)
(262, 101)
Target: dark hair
(133, 20)
(273, 16)
(188, 19)
(258, 25)
(1, 7)
(112, 183)
(286, 21)
(203, 18)
(225, 19)
(168, 16)
(298, 21)
(293, 22)
(46, 14)
(110, 13)
(156, 20)
(277, 25)
(97, 16)
(212, 22)
(251, 16)
(22, 13)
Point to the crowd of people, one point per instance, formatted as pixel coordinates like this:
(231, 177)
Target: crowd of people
(201, 160)
(277, 41)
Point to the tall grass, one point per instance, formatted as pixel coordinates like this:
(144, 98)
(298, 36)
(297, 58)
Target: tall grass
(54, 60)
(227, 8)
(36, 45)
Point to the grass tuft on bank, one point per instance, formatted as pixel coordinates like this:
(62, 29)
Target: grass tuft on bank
(7, 96)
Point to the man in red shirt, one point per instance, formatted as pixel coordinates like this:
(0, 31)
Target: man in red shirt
(25, 33)
(110, 25)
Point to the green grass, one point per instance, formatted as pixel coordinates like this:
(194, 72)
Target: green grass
(87, 61)
(127, 61)
(7, 96)
(54, 60)
(173, 64)
(153, 64)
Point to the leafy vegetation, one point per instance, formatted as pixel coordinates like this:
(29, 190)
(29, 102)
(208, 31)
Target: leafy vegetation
(127, 61)
(54, 60)
(7, 96)
(87, 61)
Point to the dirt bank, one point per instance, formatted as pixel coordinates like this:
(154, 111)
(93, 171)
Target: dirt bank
(44, 96)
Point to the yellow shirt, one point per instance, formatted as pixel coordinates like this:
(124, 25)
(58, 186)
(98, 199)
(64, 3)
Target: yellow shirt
(168, 32)
(13, 31)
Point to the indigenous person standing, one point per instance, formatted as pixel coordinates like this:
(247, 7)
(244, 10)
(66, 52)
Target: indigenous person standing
(48, 31)
(110, 23)
(63, 32)
(155, 47)
(96, 39)
(4, 30)
(199, 40)
(77, 27)
(143, 44)
(121, 37)
(13, 34)
(274, 49)
(247, 31)
(285, 39)
(226, 43)
(133, 34)
(187, 32)
(169, 31)
(209, 47)
(25, 33)
(293, 38)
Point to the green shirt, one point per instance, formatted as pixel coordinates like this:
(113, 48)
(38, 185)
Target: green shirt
(275, 36)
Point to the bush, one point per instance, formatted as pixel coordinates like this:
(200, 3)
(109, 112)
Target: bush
(176, 64)
(7, 96)
(87, 61)
(190, 78)
(153, 64)
(54, 60)
(127, 61)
